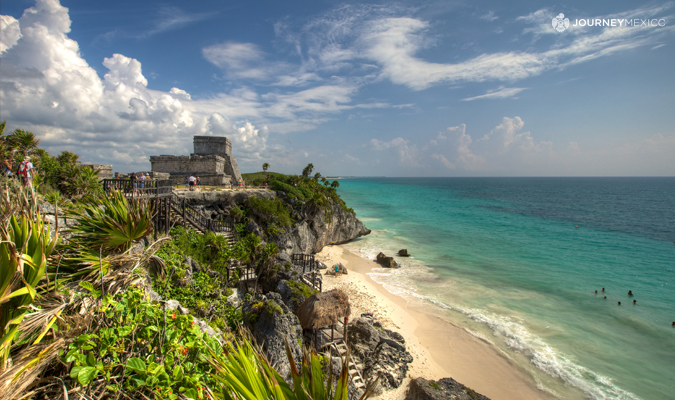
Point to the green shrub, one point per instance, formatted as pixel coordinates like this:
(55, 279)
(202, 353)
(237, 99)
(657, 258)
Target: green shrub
(276, 211)
(141, 349)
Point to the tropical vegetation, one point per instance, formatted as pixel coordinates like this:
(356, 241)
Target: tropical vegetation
(79, 313)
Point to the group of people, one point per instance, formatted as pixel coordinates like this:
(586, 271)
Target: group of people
(192, 182)
(138, 180)
(239, 183)
(22, 170)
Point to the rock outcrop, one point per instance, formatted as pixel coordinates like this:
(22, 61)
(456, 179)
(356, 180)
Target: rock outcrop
(403, 253)
(387, 262)
(314, 230)
(270, 321)
(380, 351)
(443, 389)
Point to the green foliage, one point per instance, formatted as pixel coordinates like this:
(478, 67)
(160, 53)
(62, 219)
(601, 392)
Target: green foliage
(299, 291)
(273, 211)
(140, 348)
(258, 178)
(111, 222)
(237, 214)
(434, 385)
(208, 249)
(307, 171)
(206, 297)
(24, 250)
(66, 174)
(243, 373)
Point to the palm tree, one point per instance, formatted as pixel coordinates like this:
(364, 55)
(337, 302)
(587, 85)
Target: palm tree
(335, 184)
(24, 141)
(308, 170)
(317, 176)
(266, 166)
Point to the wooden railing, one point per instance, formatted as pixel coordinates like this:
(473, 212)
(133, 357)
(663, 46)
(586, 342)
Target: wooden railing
(200, 220)
(138, 187)
(310, 271)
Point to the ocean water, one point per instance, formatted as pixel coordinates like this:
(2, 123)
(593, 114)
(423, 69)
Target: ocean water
(516, 262)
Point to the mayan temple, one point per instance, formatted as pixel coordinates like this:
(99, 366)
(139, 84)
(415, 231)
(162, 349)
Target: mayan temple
(212, 161)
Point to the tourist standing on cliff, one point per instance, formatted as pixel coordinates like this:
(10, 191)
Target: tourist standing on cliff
(141, 182)
(191, 181)
(134, 183)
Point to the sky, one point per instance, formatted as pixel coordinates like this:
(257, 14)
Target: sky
(411, 88)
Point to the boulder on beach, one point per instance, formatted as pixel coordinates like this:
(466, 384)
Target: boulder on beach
(403, 253)
(446, 388)
(388, 262)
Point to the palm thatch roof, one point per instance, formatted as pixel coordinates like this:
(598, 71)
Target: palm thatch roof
(323, 309)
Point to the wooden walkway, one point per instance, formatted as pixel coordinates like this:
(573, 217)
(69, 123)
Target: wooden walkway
(169, 209)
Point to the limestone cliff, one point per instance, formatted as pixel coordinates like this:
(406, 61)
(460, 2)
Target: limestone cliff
(317, 227)
(313, 226)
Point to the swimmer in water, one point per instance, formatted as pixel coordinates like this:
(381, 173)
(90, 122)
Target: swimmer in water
(605, 298)
(603, 290)
(630, 292)
(618, 303)
(634, 302)
(596, 292)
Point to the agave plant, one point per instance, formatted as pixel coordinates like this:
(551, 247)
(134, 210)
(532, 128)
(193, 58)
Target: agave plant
(243, 373)
(24, 250)
(111, 223)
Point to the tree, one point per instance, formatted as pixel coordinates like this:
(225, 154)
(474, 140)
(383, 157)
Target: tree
(308, 170)
(24, 141)
(317, 176)
(266, 166)
(335, 184)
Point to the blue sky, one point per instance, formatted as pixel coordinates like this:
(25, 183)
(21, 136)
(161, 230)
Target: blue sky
(417, 88)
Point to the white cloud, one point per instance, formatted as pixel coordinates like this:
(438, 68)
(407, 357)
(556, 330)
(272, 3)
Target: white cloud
(500, 93)
(10, 32)
(408, 155)
(489, 16)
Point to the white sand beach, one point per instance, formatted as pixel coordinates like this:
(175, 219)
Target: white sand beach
(439, 348)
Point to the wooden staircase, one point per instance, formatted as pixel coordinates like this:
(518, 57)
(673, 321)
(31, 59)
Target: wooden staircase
(184, 214)
(354, 369)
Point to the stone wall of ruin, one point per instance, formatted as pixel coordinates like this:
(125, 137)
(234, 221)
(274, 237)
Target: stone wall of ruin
(188, 165)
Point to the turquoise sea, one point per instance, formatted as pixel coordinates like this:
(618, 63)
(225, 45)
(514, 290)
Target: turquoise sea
(516, 262)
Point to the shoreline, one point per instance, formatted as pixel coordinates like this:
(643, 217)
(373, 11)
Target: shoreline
(439, 348)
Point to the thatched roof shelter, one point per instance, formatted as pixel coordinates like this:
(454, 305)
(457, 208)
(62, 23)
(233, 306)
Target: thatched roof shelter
(323, 309)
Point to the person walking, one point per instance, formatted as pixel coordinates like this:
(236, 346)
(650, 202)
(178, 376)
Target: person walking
(199, 183)
(25, 172)
(187, 181)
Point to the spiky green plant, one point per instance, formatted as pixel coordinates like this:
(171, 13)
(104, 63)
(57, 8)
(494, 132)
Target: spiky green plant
(24, 250)
(242, 372)
(111, 223)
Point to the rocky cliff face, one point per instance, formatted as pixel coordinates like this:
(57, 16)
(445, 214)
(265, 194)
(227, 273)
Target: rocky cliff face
(318, 227)
(314, 227)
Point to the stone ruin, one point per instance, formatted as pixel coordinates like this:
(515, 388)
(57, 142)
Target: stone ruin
(105, 171)
(212, 162)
